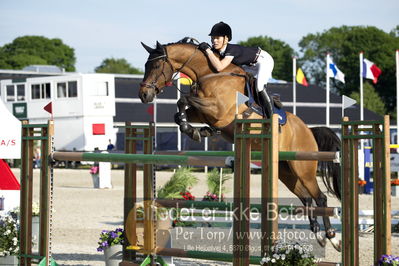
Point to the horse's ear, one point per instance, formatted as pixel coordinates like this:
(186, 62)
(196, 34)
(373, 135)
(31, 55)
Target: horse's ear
(147, 48)
(159, 46)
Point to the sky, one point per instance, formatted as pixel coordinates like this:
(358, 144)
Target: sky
(99, 29)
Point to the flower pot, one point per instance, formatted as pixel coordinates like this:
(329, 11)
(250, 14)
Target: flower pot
(9, 260)
(96, 180)
(113, 255)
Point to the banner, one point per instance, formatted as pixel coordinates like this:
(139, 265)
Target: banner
(10, 134)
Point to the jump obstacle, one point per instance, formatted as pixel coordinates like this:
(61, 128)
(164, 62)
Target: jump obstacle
(265, 131)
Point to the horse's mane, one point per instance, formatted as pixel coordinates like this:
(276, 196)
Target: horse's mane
(185, 40)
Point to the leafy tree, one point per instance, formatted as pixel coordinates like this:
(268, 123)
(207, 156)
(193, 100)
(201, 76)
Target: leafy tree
(280, 51)
(120, 66)
(371, 100)
(30, 50)
(345, 43)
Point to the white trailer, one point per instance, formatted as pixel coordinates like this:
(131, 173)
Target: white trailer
(83, 107)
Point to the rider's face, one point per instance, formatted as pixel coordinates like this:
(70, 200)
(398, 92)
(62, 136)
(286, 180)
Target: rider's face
(219, 42)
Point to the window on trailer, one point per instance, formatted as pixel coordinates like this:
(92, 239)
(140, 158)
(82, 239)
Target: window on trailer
(41, 91)
(67, 89)
(21, 92)
(10, 93)
(101, 89)
(72, 89)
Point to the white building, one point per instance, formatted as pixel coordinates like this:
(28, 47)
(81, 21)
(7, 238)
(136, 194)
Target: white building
(83, 107)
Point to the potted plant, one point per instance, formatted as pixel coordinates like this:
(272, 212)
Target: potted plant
(290, 254)
(95, 172)
(388, 260)
(111, 242)
(9, 240)
(15, 213)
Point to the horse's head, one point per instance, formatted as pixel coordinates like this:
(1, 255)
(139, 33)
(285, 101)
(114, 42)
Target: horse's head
(158, 73)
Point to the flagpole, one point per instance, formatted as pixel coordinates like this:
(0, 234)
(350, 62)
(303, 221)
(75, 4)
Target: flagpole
(327, 91)
(361, 86)
(294, 84)
(397, 95)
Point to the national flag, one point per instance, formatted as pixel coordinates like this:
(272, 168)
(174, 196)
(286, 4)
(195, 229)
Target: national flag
(49, 108)
(185, 80)
(300, 78)
(370, 70)
(334, 72)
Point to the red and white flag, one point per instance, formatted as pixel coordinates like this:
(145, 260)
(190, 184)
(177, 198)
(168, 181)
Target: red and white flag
(370, 70)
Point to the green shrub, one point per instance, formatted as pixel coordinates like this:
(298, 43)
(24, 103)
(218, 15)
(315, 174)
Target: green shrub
(180, 181)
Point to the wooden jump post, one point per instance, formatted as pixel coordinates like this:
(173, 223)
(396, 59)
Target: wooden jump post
(30, 133)
(378, 132)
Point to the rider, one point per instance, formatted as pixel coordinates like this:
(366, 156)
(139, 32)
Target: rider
(254, 60)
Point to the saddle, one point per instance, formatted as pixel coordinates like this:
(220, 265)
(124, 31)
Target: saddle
(254, 104)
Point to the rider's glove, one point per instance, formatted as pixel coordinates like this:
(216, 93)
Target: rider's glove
(204, 46)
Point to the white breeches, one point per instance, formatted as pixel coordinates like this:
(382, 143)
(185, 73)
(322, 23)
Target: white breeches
(262, 70)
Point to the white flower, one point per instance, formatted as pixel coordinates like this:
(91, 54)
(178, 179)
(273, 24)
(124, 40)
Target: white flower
(7, 232)
(283, 256)
(264, 260)
(273, 260)
(277, 256)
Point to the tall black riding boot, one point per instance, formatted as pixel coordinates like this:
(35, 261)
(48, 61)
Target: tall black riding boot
(265, 102)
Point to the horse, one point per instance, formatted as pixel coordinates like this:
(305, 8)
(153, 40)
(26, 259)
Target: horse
(212, 100)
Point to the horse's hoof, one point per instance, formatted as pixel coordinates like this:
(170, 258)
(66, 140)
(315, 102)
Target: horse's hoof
(321, 239)
(336, 244)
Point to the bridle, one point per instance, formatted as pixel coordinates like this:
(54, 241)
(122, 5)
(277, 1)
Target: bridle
(164, 57)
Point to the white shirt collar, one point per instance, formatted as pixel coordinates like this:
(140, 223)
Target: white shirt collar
(223, 50)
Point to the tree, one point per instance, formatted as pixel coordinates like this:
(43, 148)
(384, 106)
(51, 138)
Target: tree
(119, 66)
(371, 99)
(30, 50)
(280, 51)
(345, 44)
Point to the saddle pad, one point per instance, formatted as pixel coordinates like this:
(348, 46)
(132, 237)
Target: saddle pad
(282, 116)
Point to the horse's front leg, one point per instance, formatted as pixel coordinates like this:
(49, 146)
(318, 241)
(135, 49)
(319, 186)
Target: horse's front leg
(182, 119)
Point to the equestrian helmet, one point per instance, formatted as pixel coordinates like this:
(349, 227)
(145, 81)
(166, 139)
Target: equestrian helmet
(221, 29)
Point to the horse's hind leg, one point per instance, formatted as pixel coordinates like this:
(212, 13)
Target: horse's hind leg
(294, 184)
(321, 201)
(307, 173)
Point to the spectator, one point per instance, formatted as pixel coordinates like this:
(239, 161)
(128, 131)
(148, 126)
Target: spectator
(110, 146)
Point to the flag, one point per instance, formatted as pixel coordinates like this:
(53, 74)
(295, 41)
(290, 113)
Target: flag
(240, 99)
(300, 78)
(334, 72)
(49, 108)
(185, 80)
(370, 70)
(347, 102)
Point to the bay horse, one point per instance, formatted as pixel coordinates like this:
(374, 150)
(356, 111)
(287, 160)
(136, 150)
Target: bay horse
(213, 102)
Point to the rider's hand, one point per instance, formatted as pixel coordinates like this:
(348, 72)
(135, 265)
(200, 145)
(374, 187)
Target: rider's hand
(204, 46)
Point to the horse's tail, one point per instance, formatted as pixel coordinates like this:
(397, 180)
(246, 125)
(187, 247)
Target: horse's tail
(327, 140)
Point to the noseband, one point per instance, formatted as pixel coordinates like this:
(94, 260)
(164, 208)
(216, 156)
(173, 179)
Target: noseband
(153, 84)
